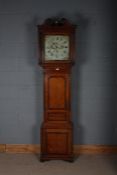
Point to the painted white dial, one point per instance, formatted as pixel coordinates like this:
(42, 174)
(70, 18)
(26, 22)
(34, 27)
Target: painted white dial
(56, 47)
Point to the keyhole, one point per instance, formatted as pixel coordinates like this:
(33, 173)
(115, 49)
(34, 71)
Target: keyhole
(57, 68)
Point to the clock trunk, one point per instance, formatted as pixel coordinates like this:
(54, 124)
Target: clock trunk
(56, 130)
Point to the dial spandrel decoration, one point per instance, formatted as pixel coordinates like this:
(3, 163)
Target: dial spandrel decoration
(56, 47)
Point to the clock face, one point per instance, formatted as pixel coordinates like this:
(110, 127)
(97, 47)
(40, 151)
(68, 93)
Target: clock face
(56, 47)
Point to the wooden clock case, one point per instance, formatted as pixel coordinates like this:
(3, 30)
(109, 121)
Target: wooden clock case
(57, 127)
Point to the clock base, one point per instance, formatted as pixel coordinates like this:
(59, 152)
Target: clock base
(56, 141)
(69, 158)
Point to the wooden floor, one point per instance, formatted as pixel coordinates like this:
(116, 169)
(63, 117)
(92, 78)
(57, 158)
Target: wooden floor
(29, 164)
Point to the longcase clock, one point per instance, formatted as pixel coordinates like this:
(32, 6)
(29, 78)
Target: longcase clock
(56, 48)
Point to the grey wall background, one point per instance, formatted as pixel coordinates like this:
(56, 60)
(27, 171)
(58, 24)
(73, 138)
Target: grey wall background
(94, 94)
